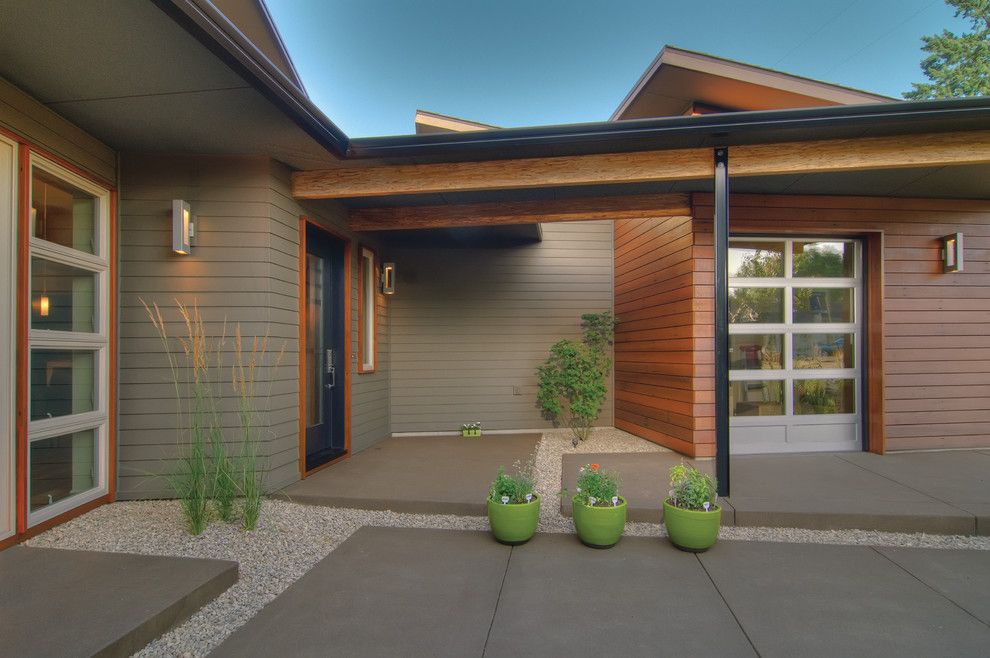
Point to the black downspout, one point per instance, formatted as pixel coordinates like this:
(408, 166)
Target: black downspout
(721, 230)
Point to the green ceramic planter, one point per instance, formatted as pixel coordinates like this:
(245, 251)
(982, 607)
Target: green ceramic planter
(514, 524)
(599, 527)
(470, 434)
(690, 530)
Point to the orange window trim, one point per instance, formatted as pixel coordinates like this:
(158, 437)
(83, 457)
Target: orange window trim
(362, 367)
(21, 375)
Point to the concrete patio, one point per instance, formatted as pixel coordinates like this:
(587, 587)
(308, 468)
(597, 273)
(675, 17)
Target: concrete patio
(423, 474)
(81, 603)
(934, 492)
(406, 592)
(944, 492)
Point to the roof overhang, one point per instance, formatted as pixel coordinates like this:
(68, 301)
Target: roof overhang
(131, 75)
(677, 79)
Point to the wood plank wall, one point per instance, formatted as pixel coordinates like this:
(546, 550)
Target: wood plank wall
(936, 337)
(469, 326)
(244, 268)
(664, 372)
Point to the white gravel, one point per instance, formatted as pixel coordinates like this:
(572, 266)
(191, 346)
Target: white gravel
(291, 538)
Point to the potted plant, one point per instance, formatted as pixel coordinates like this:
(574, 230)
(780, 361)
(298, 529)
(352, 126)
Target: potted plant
(690, 513)
(471, 429)
(513, 506)
(599, 511)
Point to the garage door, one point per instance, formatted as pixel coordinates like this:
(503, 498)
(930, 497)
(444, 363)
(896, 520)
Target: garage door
(795, 325)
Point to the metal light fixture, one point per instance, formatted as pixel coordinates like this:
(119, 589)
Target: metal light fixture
(44, 306)
(952, 253)
(388, 278)
(183, 227)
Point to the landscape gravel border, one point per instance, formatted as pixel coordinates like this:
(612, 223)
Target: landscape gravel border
(291, 538)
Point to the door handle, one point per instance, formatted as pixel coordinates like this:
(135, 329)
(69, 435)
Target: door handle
(331, 377)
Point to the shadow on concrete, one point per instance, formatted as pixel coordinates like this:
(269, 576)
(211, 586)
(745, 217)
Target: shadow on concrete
(935, 492)
(426, 475)
(414, 592)
(81, 603)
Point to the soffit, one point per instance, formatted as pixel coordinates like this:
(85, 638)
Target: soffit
(130, 75)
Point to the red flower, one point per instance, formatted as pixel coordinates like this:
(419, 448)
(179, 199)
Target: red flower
(594, 467)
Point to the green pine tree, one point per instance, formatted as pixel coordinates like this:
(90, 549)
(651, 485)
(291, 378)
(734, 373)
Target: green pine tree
(957, 64)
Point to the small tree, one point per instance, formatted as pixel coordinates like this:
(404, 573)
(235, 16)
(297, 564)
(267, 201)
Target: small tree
(957, 64)
(572, 380)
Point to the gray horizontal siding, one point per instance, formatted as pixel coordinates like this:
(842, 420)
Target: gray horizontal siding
(243, 269)
(25, 116)
(468, 325)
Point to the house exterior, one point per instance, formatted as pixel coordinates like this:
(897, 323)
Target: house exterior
(841, 326)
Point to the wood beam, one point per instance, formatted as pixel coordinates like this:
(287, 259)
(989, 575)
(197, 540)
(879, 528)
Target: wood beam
(519, 212)
(800, 157)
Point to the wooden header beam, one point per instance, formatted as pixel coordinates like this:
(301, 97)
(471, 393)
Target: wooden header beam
(822, 156)
(519, 212)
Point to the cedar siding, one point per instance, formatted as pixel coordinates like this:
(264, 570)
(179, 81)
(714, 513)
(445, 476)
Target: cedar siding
(468, 325)
(664, 377)
(936, 344)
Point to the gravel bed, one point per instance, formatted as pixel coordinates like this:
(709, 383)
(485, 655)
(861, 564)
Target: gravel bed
(291, 538)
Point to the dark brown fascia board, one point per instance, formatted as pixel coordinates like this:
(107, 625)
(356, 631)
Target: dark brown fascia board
(769, 126)
(204, 21)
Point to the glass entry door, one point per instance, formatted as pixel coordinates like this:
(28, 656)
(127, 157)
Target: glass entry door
(325, 363)
(795, 345)
(8, 295)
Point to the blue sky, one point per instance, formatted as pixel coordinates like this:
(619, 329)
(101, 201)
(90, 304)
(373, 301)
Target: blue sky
(369, 64)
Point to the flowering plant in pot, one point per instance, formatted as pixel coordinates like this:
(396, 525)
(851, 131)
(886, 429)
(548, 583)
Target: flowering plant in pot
(513, 506)
(690, 512)
(471, 429)
(599, 511)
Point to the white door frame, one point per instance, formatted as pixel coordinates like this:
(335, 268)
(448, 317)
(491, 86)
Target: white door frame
(748, 430)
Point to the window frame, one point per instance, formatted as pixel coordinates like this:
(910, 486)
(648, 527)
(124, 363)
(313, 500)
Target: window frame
(99, 341)
(788, 328)
(367, 310)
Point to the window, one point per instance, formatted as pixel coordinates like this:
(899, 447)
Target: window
(366, 310)
(794, 344)
(68, 341)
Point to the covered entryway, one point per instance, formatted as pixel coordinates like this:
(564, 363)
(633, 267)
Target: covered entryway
(795, 319)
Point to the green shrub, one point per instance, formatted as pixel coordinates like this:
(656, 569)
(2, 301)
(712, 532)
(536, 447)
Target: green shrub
(691, 489)
(596, 486)
(572, 380)
(515, 486)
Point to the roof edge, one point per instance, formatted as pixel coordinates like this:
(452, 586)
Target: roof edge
(204, 21)
(683, 56)
(719, 129)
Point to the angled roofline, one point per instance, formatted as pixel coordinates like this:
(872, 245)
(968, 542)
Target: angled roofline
(280, 44)
(203, 20)
(452, 123)
(682, 55)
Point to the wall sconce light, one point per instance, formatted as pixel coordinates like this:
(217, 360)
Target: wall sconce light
(388, 278)
(44, 306)
(952, 253)
(183, 227)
